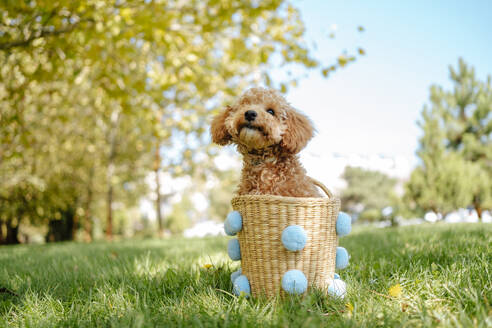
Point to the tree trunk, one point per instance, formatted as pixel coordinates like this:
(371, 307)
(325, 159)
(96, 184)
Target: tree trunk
(158, 201)
(88, 225)
(75, 226)
(394, 222)
(111, 167)
(61, 230)
(12, 233)
(109, 214)
(2, 241)
(88, 213)
(479, 210)
(443, 216)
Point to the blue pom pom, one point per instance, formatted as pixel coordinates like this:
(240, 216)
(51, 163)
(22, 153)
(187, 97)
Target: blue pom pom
(344, 224)
(342, 260)
(234, 250)
(233, 224)
(228, 229)
(236, 274)
(337, 288)
(336, 276)
(241, 285)
(294, 282)
(294, 238)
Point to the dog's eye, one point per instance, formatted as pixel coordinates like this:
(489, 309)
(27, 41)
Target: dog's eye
(270, 111)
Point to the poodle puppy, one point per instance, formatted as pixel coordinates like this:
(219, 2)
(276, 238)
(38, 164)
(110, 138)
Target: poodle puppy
(269, 133)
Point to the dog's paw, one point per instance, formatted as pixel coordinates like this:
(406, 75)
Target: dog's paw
(344, 224)
(233, 224)
(294, 238)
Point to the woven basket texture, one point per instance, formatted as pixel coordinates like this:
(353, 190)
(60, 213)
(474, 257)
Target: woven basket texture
(264, 259)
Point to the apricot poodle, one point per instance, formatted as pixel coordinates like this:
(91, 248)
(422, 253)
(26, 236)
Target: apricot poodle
(269, 133)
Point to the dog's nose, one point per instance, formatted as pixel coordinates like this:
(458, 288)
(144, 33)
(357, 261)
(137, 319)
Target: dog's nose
(250, 115)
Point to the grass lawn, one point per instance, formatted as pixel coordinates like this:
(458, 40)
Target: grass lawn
(444, 271)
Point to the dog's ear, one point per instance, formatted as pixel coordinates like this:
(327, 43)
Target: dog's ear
(298, 132)
(220, 135)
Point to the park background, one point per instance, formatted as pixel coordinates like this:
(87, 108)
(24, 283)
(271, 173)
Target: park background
(105, 109)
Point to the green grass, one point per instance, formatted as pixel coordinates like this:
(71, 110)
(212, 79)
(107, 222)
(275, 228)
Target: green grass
(444, 271)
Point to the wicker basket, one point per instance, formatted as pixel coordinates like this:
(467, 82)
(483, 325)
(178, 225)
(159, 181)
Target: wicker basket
(264, 259)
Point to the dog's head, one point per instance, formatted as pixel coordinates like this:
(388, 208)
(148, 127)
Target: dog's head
(259, 119)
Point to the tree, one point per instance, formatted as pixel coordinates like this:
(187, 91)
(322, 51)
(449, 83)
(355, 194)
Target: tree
(107, 90)
(367, 192)
(455, 148)
(220, 195)
(180, 216)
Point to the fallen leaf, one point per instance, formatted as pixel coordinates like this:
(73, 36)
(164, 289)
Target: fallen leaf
(395, 291)
(350, 307)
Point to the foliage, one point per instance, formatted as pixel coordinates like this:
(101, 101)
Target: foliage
(370, 215)
(443, 186)
(170, 283)
(220, 196)
(456, 147)
(366, 193)
(97, 94)
(180, 217)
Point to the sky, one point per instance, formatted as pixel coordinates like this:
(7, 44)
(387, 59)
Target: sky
(366, 113)
(371, 106)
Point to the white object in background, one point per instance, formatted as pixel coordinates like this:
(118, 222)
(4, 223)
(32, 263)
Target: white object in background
(430, 217)
(205, 228)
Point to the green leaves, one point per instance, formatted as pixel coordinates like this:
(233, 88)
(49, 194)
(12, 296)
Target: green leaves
(68, 66)
(455, 146)
(367, 192)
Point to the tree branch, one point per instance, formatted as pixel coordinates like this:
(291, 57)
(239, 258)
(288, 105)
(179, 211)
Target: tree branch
(44, 33)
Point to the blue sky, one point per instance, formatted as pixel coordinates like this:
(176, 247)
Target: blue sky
(371, 107)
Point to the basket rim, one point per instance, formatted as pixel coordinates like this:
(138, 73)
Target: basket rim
(284, 199)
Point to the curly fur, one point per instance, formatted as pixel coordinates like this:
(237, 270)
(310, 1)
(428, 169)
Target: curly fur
(269, 144)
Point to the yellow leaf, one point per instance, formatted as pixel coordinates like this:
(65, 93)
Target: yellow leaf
(395, 291)
(192, 58)
(342, 60)
(350, 307)
(207, 266)
(126, 13)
